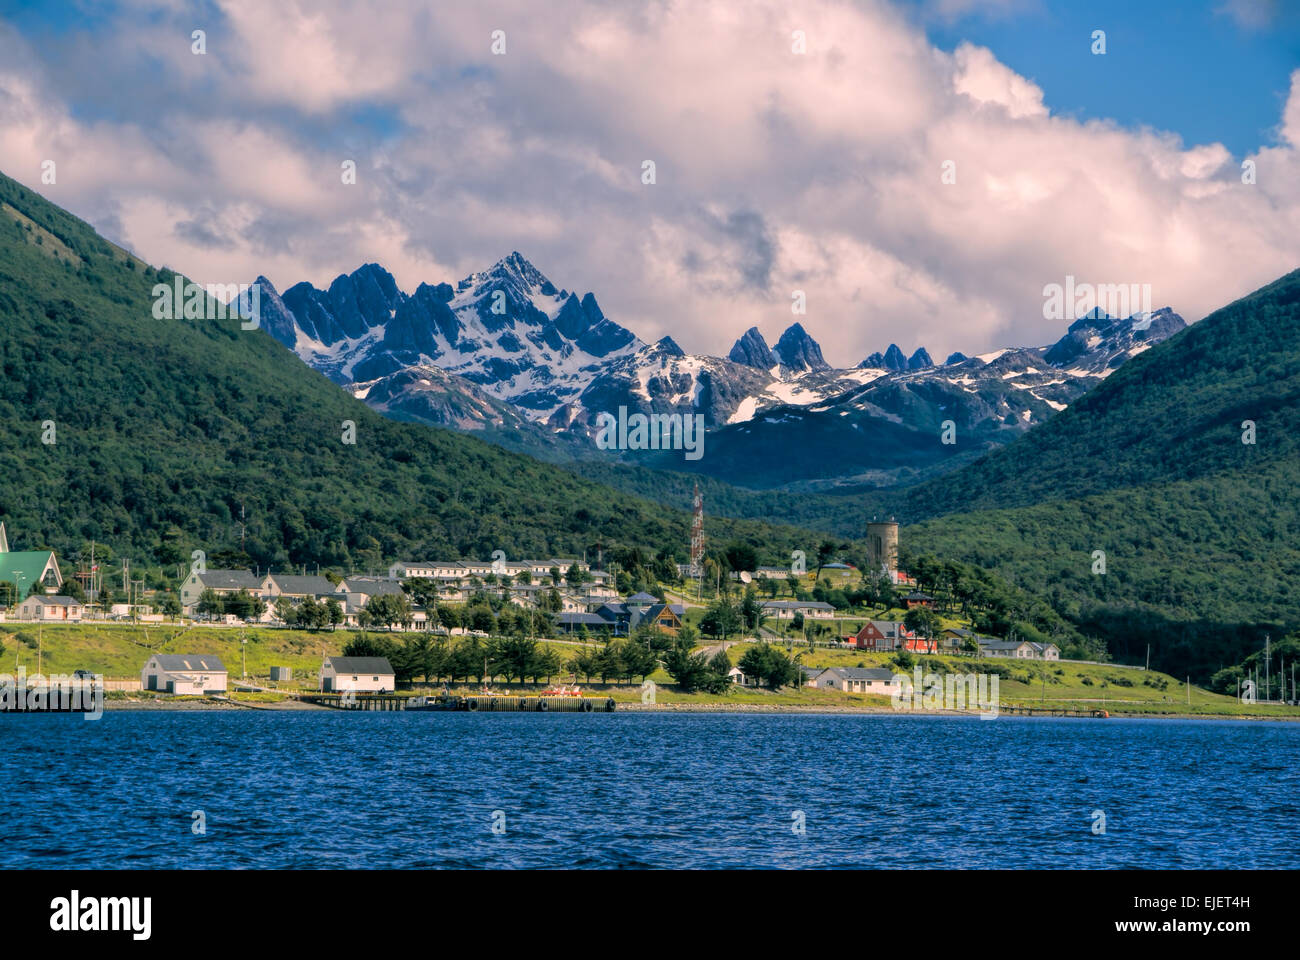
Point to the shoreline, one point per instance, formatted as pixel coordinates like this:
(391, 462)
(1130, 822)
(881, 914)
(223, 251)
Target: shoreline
(292, 705)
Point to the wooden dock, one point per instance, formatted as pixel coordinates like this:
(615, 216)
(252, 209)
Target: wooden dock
(486, 703)
(1054, 712)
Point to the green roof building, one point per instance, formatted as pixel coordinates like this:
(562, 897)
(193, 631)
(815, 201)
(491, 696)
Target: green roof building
(27, 567)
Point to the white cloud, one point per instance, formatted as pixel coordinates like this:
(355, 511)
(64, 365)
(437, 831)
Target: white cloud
(776, 171)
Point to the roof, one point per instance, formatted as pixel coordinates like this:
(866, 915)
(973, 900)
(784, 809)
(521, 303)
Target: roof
(172, 662)
(863, 673)
(581, 619)
(797, 605)
(25, 567)
(311, 586)
(918, 595)
(653, 613)
(1002, 644)
(56, 601)
(360, 664)
(371, 588)
(890, 628)
(230, 580)
(642, 597)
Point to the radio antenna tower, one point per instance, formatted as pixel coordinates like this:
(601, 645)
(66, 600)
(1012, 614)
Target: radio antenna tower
(697, 540)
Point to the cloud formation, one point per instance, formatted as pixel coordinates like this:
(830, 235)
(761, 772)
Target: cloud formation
(776, 170)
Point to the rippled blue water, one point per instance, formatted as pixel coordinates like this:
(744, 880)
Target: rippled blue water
(631, 790)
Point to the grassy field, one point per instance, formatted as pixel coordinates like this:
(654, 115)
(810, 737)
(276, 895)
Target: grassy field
(120, 650)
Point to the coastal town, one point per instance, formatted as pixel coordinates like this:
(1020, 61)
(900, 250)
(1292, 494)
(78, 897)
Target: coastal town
(581, 620)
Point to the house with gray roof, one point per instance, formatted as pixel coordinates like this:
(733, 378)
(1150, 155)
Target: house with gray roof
(194, 674)
(874, 680)
(221, 582)
(298, 587)
(359, 674)
(786, 609)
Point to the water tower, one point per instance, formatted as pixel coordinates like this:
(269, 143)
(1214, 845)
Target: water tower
(882, 545)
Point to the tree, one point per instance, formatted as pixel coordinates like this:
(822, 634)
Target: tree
(389, 609)
(284, 611)
(720, 663)
(209, 604)
(694, 671)
(770, 666)
(334, 612)
(423, 591)
(514, 656)
(741, 556)
(575, 577)
(364, 645)
(925, 622)
(585, 662)
(721, 620)
(170, 605)
(751, 611)
(638, 659)
(482, 620)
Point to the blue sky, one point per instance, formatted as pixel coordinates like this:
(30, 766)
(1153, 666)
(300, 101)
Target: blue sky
(1182, 65)
(778, 170)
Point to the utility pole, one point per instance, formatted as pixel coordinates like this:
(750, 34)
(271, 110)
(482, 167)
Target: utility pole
(1189, 691)
(1148, 658)
(1267, 657)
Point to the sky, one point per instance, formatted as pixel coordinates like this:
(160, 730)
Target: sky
(777, 169)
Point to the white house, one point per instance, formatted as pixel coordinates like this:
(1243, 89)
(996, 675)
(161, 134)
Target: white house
(875, 680)
(362, 674)
(737, 676)
(184, 673)
(48, 609)
(1019, 649)
(786, 609)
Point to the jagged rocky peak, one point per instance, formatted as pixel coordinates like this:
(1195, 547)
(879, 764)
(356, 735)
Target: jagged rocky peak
(515, 274)
(955, 357)
(1101, 336)
(874, 362)
(798, 351)
(1161, 324)
(894, 359)
(668, 347)
(752, 350)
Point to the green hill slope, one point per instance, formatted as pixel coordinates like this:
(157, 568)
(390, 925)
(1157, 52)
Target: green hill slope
(1201, 532)
(164, 428)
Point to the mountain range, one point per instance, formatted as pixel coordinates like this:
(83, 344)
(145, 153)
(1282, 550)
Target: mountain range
(506, 353)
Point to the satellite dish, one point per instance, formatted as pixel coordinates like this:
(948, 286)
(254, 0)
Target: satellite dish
(745, 577)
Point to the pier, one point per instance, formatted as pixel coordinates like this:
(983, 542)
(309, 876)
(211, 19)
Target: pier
(486, 703)
(1054, 712)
